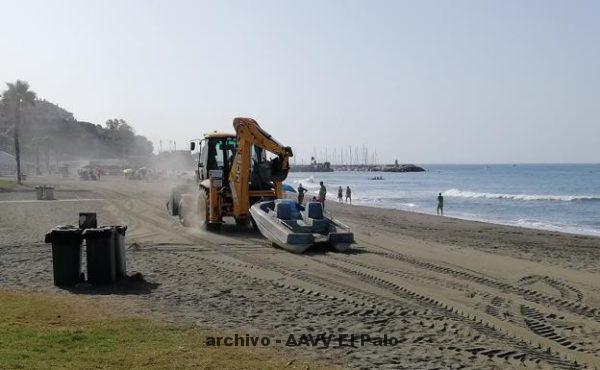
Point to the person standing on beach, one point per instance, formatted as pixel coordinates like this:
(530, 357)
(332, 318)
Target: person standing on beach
(322, 194)
(440, 207)
(340, 194)
(301, 191)
(348, 194)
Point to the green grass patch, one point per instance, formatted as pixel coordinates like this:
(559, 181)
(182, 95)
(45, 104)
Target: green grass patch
(53, 331)
(7, 184)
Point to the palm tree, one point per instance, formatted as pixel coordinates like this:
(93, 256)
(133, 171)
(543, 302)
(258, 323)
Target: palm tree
(17, 94)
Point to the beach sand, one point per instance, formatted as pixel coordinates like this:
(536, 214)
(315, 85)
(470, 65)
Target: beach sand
(454, 293)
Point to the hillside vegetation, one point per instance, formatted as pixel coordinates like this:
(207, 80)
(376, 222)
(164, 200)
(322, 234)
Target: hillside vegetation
(49, 132)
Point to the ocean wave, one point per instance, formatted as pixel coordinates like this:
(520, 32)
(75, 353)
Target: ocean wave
(528, 197)
(533, 224)
(308, 183)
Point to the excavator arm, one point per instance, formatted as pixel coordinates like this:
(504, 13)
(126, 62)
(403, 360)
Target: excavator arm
(248, 130)
(249, 133)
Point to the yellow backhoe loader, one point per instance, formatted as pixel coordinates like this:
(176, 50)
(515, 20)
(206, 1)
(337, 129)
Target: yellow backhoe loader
(233, 172)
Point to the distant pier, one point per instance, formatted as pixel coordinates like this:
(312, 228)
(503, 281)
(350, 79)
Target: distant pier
(327, 167)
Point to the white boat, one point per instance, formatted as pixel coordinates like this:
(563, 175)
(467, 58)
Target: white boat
(295, 227)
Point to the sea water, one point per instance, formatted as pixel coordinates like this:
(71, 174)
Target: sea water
(561, 197)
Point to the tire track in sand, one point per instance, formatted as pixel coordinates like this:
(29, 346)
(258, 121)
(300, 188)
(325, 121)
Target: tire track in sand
(421, 300)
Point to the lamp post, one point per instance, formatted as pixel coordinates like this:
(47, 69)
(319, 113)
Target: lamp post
(16, 136)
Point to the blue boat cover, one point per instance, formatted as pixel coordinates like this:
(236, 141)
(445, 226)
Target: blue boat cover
(288, 187)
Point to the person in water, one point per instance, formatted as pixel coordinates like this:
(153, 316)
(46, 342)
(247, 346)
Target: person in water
(348, 194)
(340, 194)
(440, 206)
(301, 191)
(322, 194)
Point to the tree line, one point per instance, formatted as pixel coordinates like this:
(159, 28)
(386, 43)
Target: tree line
(37, 131)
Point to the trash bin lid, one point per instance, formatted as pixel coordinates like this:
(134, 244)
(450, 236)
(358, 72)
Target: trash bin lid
(88, 220)
(98, 233)
(121, 229)
(62, 232)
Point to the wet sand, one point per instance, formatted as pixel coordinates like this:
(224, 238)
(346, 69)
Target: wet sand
(454, 293)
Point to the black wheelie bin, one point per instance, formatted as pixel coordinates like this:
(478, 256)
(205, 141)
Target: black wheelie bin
(66, 254)
(100, 246)
(48, 192)
(120, 265)
(39, 192)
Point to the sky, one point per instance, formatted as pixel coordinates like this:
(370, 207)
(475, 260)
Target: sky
(501, 81)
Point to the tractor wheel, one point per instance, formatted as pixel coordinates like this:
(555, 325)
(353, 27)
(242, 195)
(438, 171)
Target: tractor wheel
(241, 221)
(215, 226)
(175, 198)
(187, 209)
(203, 212)
(184, 215)
(174, 202)
(253, 223)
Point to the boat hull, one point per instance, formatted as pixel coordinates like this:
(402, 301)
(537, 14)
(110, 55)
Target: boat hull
(298, 238)
(278, 235)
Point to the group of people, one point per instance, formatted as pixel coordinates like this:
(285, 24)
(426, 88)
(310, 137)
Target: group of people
(89, 173)
(323, 194)
(340, 195)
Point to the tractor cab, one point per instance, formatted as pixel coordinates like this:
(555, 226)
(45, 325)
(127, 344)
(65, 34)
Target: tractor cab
(233, 171)
(214, 157)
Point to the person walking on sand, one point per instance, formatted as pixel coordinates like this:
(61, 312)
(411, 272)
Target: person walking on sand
(322, 194)
(301, 191)
(440, 207)
(340, 194)
(348, 194)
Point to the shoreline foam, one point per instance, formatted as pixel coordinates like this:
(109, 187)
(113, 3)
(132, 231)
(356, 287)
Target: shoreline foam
(522, 222)
(524, 197)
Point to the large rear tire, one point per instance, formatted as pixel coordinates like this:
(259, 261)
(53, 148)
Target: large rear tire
(203, 213)
(183, 214)
(174, 201)
(187, 210)
(214, 227)
(241, 221)
(175, 197)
